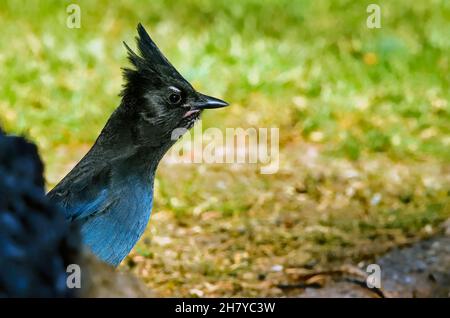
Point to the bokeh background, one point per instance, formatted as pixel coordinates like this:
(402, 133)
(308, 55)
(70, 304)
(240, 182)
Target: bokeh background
(363, 114)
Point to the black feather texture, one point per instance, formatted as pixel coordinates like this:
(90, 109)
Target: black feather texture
(36, 243)
(150, 65)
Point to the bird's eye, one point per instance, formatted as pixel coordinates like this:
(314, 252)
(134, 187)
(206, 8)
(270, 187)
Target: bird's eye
(175, 98)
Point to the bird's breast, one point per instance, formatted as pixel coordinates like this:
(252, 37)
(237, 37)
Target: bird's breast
(113, 234)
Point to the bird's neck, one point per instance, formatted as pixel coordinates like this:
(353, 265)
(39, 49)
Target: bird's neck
(118, 144)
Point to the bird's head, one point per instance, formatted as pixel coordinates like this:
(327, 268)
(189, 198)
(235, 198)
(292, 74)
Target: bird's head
(160, 99)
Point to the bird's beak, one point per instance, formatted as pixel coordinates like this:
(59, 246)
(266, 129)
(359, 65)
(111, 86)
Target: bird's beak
(208, 102)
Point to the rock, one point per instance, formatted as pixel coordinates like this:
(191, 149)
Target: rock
(419, 270)
(104, 281)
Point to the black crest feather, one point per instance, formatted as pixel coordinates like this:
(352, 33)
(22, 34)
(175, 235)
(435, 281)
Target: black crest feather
(149, 64)
(150, 58)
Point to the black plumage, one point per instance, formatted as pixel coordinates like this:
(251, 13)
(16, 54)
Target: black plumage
(110, 191)
(36, 243)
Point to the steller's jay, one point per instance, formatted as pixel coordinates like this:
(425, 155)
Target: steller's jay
(110, 191)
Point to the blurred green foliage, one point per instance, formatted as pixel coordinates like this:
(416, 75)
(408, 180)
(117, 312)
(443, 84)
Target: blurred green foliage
(312, 68)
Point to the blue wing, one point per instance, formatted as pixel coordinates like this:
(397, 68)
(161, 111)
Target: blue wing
(84, 192)
(84, 209)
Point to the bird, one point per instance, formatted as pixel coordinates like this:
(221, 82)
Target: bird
(36, 242)
(109, 192)
(37, 245)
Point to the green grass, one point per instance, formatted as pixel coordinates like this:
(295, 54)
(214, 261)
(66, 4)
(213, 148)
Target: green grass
(358, 89)
(359, 97)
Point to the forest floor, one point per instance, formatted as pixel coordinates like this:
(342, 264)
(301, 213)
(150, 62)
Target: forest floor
(235, 232)
(419, 270)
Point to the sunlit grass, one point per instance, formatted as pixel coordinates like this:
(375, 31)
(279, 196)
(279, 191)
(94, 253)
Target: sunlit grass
(349, 87)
